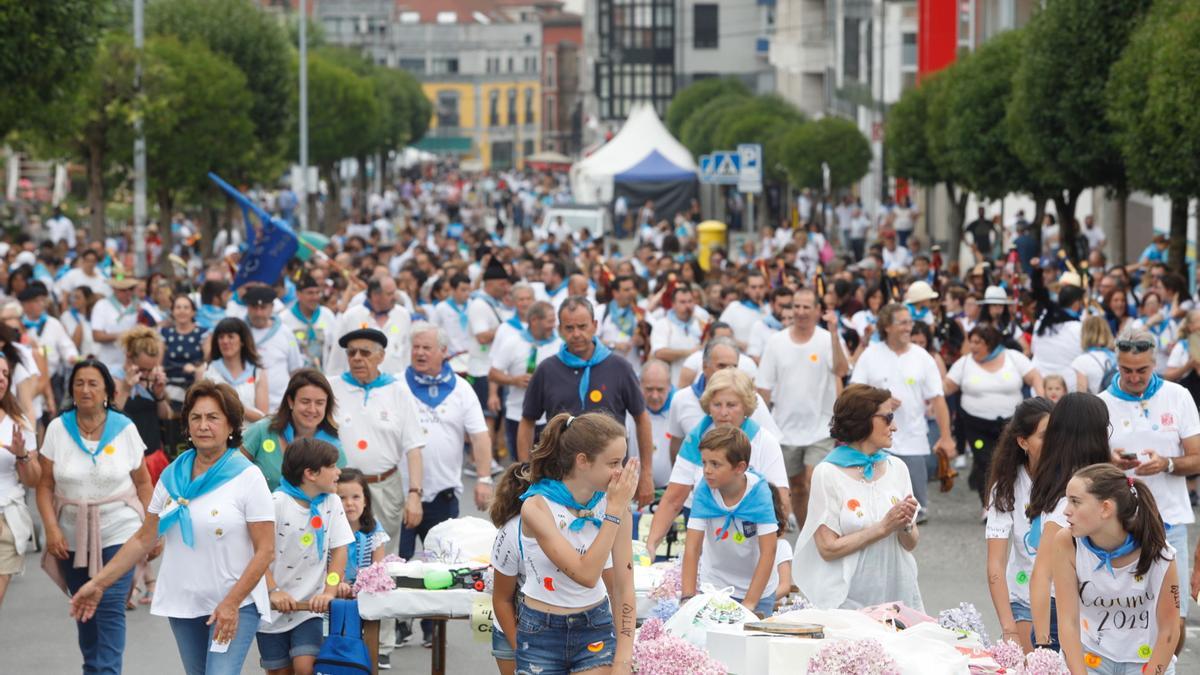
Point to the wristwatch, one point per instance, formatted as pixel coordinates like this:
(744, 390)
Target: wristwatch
(419, 492)
(485, 480)
(1170, 465)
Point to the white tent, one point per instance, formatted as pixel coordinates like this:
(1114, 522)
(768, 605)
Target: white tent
(641, 135)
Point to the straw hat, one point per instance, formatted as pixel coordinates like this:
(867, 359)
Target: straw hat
(919, 291)
(994, 295)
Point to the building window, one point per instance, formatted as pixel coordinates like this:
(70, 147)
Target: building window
(550, 72)
(502, 155)
(415, 66)
(494, 108)
(704, 28)
(851, 42)
(637, 55)
(512, 108)
(510, 65)
(528, 149)
(529, 106)
(447, 109)
(908, 50)
(445, 66)
(549, 114)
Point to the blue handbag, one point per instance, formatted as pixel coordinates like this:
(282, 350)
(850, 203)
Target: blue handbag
(343, 652)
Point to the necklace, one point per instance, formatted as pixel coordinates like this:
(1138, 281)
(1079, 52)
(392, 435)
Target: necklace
(93, 430)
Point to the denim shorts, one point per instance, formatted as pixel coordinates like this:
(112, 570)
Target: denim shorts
(500, 647)
(276, 650)
(1107, 667)
(558, 644)
(1021, 611)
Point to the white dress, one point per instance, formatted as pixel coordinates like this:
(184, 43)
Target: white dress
(881, 572)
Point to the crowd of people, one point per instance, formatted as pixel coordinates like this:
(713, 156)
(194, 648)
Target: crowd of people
(231, 457)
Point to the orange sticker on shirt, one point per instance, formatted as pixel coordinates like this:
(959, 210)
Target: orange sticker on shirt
(316, 522)
(548, 583)
(362, 445)
(596, 646)
(595, 396)
(853, 505)
(250, 380)
(813, 357)
(109, 449)
(1091, 660)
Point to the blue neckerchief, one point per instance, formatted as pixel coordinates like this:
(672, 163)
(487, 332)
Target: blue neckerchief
(289, 292)
(528, 337)
(666, 404)
(247, 372)
(515, 322)
(698, 385)
(1033, 538)
(1106, 557)
(289, 432)
(495, 304)
(1071, 313)
(1160, 327)
(994, 354)
(846, 457)
(557, 492)
(557, 289)
(181, 487)
(114, 423)
(772, 322)
(686, 326)
(209, 315)
(431, 389)
(691, 443)
(600, 352)
(373, 311)
(315, 521)
(1156, 383)
(276, 324)
(381, 381)
(35, 325)
(359, 551)
(122, 310)
(756, 506)
(624, 319)
(309, 324)
(917, 313)
(751, 305)
(461, 311)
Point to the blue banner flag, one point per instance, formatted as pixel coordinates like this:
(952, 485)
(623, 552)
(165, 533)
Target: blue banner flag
(268, 247)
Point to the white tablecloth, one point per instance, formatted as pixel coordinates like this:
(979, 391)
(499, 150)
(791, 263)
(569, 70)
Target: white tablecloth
(416, 602)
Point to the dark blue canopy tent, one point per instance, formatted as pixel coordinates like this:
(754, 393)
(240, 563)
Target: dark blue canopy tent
(672, 187)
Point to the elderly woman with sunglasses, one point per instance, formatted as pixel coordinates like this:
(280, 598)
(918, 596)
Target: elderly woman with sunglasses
(1156, 438)
(857, 543)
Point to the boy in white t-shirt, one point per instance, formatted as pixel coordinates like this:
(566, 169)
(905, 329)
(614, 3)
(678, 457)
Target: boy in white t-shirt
(732, 513)
(311, 536)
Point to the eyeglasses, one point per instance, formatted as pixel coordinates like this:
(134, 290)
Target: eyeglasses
(887, 418)
(352, 352)
(1135, 346)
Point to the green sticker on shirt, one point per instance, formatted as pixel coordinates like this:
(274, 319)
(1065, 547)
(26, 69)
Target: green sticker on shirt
(1022, 578)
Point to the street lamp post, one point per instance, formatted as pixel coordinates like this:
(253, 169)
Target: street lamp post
(139, 150)
(302, 196)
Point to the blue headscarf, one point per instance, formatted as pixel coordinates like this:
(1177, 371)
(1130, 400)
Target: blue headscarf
(315, 521)
(691, 443)
(180, 486)
(599, 353)
(756, 506)
(846, 457)
(557, 492)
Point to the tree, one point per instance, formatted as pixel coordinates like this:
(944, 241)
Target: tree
(257, 44)
(1056, 113)
(691, 99)
(1154, 106)
(907, 150)
(343, 111)
(44, 46)
(942, 151)
(832, 141)
(698, 131)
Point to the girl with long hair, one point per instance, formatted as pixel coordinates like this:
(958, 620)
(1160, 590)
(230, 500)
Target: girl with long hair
(233, 360)
(307, 410)
(578, 501)
(1076, 436)
(1009, 557)
(1119, 587)
(509, 572)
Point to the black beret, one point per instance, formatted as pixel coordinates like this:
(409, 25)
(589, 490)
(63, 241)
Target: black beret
(372, 334)
(258, 295)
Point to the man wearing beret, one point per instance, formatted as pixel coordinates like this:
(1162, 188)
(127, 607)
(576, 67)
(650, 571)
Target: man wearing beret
(276, 345)
(311, 324)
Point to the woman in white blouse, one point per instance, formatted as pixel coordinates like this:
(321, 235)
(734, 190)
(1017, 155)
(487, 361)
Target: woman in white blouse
(233, 360)
(856, 546)
(92, 498)
(216, 519)
(992, 379)
(1098, 356)
(18, 471)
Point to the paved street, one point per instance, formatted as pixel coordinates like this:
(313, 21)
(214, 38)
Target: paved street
(36, 634)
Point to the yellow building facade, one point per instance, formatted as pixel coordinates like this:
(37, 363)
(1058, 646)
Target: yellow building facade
(501, 118)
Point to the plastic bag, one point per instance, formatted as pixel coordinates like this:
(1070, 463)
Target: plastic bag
(461, 540)
(710, 608)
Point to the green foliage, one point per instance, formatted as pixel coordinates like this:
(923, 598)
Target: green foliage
(692, 98)
(1154, 101)
(976, 138)
(907, 149)
(257, 44)
(764, 120)
(344, 112)
(830, 140)
(44, 47)
(405, 110)
(698, 131)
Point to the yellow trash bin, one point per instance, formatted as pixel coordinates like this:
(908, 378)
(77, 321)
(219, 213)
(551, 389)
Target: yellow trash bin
(711, 235)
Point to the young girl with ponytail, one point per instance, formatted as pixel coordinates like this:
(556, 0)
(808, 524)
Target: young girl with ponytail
(576, 531)
(1118, 587)
(509, 573)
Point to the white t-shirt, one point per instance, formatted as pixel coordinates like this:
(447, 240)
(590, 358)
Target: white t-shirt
(60, 350)
(861, 320)
(1179, 355)
(107, 316)
(298, 569)
(1159, 424)
(1054, 352)
(1118, 610)
(511, 356)
(1092, 364)
(730, 561)
(913, 378)
(76, 277)
(686, 413)
(87, 345)
(193, 580)
(612, 333)
(989, 395)
(662, 443)
(459, 335)
(741, 318)
(77, 477)
(695, 363)
(759, 335)
(245, 391)
(506, 558)
(667, 334)
(802, 384)
(482, 318)
(1015, 527)
(324, 328)
(396, 328)
(766, 457)
(377, 427)
(446, 428)
(544, 581)
(280, 355)
(9, 480)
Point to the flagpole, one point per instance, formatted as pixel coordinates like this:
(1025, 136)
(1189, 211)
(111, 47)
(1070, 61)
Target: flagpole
(303, 193)
(139, 151)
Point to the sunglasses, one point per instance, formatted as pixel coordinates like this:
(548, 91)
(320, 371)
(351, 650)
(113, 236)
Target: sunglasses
(1135, 346)
(353, 352)
(887, 418)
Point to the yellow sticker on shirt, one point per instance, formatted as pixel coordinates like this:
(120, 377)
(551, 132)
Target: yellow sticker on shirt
(306, 539)
(332, 579)
(109, 449)
(269, 445)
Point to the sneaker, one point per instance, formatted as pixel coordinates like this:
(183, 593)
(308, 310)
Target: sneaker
(922, 516)
(469, 470)
(403, 633)
(497, 468)
(385, 662)
(427, 642)
(960, 462)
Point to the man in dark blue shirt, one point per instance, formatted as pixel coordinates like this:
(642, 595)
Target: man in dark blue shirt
(1027, 247)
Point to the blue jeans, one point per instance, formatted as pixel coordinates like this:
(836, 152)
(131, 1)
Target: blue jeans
(193, 638)
(101, 638)
(1053, 629)
(558, 644)
(443, 507)
(500, 647)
